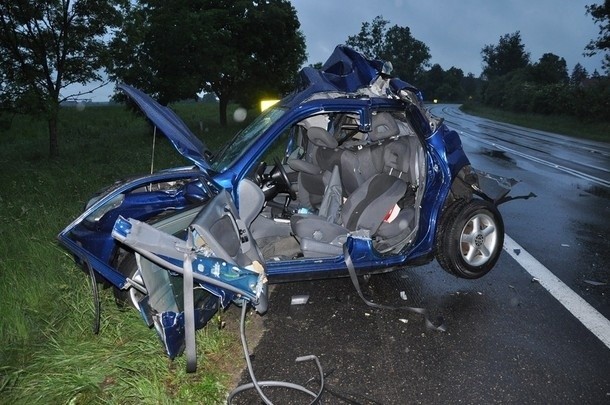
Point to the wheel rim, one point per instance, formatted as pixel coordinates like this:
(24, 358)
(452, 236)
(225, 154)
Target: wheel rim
(134, 295)
(479, 239)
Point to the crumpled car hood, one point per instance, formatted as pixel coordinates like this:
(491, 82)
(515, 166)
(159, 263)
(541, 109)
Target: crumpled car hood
(348, 71)
(172, 127)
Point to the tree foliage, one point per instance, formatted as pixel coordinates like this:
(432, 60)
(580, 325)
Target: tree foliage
(601, 16)
(579, 75)
(507, 56)
(550, 69)
(47, 45)
(544, 87)
(447, 85)
(396, 44)
(239, 50)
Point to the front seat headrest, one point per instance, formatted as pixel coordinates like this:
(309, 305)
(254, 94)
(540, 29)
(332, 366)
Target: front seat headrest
(321, 137)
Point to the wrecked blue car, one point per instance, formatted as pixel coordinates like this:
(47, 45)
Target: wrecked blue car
(347, 173)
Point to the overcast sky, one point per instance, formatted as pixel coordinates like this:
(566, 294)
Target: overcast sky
(457, 30)
(454, 30)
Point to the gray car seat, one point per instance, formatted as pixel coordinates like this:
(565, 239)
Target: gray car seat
(251, 200)
(364, 161)
(383, 126)
(401, 160)
(319, 161)
(365, 209)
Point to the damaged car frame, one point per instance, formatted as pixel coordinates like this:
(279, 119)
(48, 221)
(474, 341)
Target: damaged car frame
(349, 168)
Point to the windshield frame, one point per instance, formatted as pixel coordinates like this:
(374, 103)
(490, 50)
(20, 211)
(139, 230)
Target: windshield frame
(234, 149)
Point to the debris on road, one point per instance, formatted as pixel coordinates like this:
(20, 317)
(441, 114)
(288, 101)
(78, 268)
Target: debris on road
(595, 283)
(299, 299)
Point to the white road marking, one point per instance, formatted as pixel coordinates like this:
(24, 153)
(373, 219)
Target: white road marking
(585, 313)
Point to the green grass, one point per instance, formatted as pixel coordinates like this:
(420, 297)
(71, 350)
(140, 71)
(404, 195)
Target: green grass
(566, 125)
(48, 352)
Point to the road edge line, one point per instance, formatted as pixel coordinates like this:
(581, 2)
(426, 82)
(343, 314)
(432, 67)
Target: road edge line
(591, 318)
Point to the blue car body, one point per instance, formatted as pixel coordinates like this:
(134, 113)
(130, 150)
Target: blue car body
(349, 89)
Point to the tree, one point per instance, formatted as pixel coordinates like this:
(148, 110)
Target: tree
(370, 40)
(470, 84)
(155, 50)
(446, 85)
(237, 49)
(432, 81)
(507, 56)
(408, 55)
(579, 74)
(601, 16)
(47, 45)
(550, 69)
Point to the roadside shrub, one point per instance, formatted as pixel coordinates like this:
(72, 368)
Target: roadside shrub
(550, 99)
(514, 92)
(592, 102)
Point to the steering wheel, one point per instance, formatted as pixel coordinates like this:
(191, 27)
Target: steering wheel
(282, 176)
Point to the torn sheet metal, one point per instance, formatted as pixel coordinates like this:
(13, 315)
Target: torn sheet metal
(168, 251)
(495, 188)
(227, 281)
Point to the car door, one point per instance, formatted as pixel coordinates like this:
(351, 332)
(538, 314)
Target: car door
(216, 253)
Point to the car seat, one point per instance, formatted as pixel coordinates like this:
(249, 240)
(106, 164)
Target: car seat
(362, 161)
(365, 209)
(315, 167)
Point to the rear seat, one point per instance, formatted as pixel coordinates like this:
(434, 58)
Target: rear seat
(388, 148)
(400, 159)
(361, 162)
(358, 165)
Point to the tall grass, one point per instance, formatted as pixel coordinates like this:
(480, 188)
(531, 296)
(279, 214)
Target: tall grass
(48, 353)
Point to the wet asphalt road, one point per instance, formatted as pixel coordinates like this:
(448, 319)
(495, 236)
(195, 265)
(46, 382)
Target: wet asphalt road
(508, 340)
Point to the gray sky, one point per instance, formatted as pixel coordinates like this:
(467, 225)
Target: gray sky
(454, 30)
(457, 30)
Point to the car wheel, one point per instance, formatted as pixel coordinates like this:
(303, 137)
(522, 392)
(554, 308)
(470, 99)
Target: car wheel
(470, 238)
(130, 297)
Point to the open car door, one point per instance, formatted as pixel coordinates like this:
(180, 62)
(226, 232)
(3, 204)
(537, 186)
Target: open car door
(217, 253)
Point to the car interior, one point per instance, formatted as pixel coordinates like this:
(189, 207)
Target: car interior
(334, 180)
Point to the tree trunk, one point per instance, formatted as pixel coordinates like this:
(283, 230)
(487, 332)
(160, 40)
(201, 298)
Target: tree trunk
(223, 102)
(53, 141)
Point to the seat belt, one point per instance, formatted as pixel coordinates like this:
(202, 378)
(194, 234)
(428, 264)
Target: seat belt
(421, 311)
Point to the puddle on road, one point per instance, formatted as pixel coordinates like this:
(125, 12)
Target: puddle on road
(598, 191)
(497, 154)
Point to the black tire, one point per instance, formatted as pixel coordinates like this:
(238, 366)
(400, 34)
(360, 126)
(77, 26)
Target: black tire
(128, 267)
(469, 238)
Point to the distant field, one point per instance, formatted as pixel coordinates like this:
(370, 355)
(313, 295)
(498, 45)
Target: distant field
(566, 125)
(48, 353)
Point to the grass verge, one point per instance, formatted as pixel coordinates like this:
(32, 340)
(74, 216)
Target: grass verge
(565, 125)
(49, 354)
